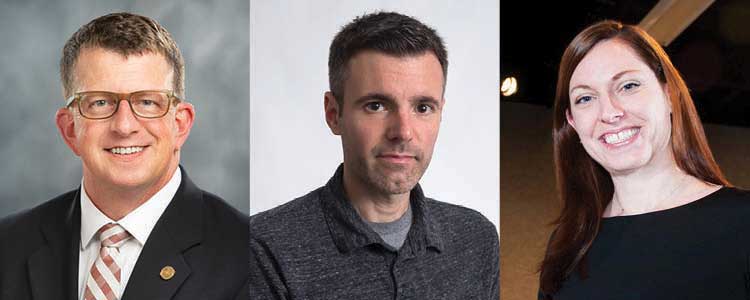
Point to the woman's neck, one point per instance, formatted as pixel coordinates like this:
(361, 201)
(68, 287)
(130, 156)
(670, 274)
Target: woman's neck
(652, 189)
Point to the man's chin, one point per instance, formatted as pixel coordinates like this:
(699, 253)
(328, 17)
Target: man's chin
(399, 190)
(395, 185)
(386, 180)
(130, 182)
(124, 178)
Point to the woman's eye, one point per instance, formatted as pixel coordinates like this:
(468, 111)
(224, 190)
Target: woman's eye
(630, 85)
(583, 99)
(374, 106)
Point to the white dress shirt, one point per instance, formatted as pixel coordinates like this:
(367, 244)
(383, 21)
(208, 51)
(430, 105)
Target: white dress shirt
(138, 223)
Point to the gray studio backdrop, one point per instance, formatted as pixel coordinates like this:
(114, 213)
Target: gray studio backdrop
(294, 152)
(36, 165)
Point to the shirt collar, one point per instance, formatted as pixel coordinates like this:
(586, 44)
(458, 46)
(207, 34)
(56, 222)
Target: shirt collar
(349, 231)
(138, 222)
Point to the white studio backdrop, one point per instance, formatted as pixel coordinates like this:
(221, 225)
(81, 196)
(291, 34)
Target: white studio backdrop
(292, 151)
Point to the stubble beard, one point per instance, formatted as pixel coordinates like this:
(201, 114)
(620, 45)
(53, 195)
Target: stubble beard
(388, 179)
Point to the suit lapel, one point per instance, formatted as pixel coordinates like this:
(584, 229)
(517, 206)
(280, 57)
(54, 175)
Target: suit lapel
(53, 268)
(178, 229)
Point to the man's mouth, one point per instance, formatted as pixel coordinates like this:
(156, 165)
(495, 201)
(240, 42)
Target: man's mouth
(126, 150)
(621, 136)
(397, 157)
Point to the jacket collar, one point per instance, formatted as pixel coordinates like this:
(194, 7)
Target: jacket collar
(177, 230)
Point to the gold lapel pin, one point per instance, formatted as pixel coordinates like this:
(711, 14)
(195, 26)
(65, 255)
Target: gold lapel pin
(167, 273)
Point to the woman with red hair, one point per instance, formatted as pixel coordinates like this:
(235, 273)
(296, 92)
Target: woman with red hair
(646, 211)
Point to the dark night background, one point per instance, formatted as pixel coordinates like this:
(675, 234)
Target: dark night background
(713, 53)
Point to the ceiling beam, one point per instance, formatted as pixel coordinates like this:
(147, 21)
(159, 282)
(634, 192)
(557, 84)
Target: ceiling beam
(669, 18)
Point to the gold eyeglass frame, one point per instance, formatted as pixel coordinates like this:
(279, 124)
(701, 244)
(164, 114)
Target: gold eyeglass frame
(76, 98)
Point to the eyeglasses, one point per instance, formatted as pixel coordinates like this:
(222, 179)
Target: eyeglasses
(98, 105)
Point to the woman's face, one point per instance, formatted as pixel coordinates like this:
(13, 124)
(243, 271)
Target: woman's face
(620, 109)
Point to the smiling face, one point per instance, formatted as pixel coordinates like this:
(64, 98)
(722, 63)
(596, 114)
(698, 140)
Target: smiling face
(125, 152)
(389, 119)
(619, 109)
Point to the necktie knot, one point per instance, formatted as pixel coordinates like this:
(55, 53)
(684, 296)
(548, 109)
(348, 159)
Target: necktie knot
(113, 235)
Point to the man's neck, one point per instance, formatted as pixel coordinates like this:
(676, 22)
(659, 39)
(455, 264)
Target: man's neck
(373, 206)
(116, 202)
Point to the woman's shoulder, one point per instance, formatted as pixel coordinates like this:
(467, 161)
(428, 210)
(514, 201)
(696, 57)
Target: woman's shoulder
(728, 206)
(717, 202)
(723, 208)
(727, 211)
(729, 198)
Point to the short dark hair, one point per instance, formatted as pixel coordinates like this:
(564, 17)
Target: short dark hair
(126, 34)
(388, 32)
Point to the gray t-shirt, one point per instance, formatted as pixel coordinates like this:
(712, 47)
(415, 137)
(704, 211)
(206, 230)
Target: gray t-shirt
(393, 233)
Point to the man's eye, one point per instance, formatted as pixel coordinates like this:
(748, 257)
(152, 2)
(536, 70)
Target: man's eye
(424, 108)
(99, 103)
(147, 102)
(374, 106)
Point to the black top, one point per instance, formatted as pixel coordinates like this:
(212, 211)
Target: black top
(318, 247)
(695, 251)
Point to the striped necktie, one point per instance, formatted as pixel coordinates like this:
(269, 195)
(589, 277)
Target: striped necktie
(103, 282)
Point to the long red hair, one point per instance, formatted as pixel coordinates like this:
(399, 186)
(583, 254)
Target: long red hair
(584, 186)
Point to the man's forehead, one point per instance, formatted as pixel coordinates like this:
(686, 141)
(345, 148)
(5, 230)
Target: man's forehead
(103, 69)
(375, 57)
(116, 55)
(373, 71)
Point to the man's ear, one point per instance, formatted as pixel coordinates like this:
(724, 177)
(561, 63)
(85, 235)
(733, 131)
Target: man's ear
(570, 119)
(333, 112)
(65, 121)
(184, 117)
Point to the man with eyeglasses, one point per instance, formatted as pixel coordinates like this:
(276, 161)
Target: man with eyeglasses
(137, 228)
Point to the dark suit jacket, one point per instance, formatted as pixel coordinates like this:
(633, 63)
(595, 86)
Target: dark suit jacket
(199, 235)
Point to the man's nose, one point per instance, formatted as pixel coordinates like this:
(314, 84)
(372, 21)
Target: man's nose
(124, 122)
(400, 127)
